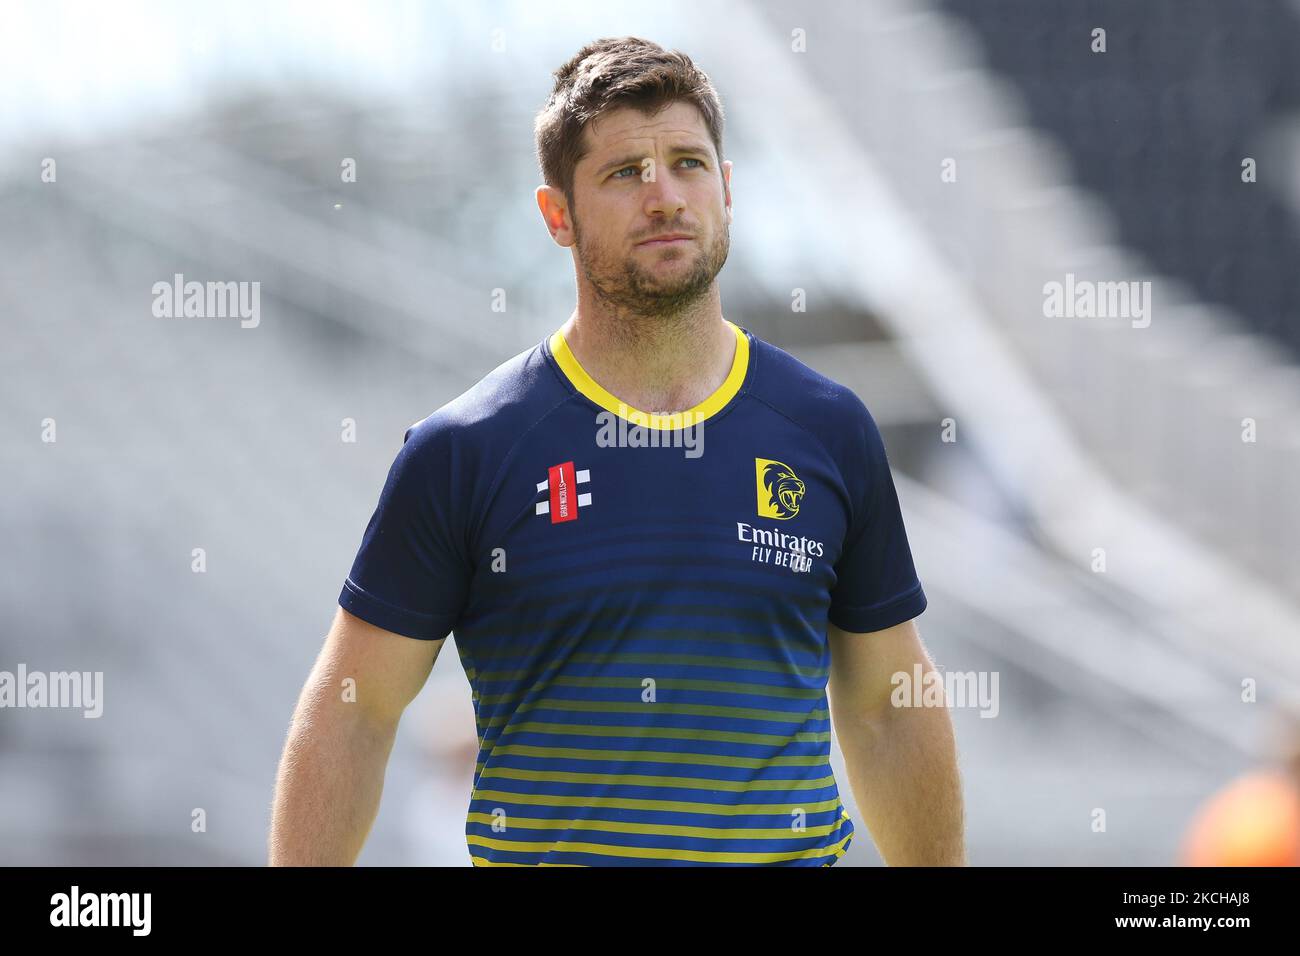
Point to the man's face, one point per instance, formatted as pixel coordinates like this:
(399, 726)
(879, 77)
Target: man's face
(642, 178)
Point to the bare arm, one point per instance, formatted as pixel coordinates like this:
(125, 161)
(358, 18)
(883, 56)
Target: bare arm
(332, 771)
(902, 761)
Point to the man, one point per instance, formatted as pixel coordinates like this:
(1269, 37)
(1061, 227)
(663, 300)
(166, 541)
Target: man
(649, 606)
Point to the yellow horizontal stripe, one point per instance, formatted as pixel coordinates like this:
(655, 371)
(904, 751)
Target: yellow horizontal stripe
(480, 861)
(676, 683)
(668, 733)
(653, 780)
(671, 635)
(688, 710)
(658, 756)
(648, 853)
(638, 803)
(657, 829)
(654, 660)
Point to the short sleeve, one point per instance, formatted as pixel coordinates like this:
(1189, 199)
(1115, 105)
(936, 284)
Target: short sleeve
(876, 583)
(411, 574)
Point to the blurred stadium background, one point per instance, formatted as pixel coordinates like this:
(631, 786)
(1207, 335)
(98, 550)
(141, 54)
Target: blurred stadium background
(208, 141)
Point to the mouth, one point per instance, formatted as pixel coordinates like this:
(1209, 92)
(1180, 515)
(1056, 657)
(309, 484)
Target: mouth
(665, 241)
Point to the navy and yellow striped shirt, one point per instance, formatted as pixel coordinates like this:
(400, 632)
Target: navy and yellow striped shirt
(640, 603)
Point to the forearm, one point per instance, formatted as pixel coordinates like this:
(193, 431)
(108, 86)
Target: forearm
(329, 785)
(902, 765)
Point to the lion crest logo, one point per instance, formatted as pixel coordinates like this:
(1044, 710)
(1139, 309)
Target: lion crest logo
(779, 489)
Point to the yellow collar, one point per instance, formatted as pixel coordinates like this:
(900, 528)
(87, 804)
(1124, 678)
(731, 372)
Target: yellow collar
(588, 386)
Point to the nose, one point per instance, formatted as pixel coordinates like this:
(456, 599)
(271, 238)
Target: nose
(663, 198)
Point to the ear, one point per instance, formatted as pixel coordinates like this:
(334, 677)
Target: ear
(555, 213)
(726, 187)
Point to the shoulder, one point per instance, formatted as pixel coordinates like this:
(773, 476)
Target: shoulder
(831, 411)
(490, 416)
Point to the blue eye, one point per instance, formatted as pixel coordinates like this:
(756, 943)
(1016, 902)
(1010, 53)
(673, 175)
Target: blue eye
(637, 169)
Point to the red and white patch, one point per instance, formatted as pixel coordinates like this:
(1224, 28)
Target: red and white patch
(564, 500)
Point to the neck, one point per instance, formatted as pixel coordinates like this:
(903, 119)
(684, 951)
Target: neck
(653, 363)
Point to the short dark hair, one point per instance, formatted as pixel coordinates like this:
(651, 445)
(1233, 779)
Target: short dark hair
(605, 75)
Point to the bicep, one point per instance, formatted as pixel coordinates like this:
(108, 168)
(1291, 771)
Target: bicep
(863, 665)
(387, 669)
